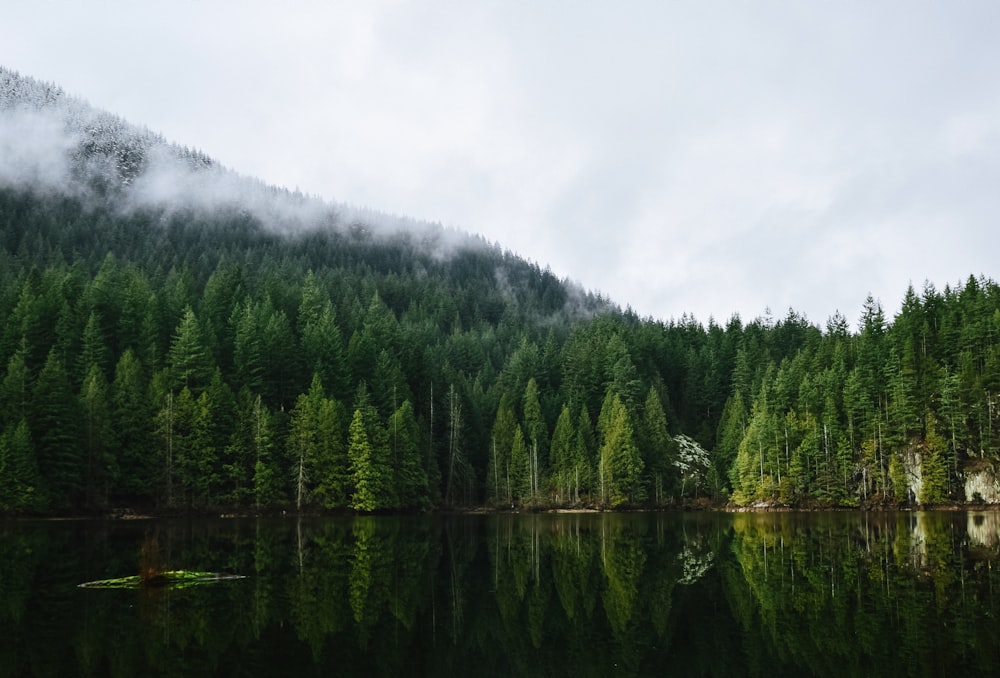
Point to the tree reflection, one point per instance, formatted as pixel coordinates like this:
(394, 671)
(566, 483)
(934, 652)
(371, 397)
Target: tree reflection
(580, 594)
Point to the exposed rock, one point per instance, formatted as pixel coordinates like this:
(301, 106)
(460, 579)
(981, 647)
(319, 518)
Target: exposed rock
(981, 484)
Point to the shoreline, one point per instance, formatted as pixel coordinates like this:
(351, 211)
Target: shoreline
(128, 515)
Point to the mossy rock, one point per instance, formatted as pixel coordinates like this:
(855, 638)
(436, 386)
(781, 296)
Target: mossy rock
(170, 578)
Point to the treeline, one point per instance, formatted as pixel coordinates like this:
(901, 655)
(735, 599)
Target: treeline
(194, 359)
(900, 411)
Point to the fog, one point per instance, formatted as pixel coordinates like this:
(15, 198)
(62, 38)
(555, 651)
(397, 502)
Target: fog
(51, 142)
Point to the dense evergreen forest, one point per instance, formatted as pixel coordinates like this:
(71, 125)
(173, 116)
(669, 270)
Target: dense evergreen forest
(200, 354)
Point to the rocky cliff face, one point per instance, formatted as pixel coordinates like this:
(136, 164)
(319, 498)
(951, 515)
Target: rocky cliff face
(981, 484)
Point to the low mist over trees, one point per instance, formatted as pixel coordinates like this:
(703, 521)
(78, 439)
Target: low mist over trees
(201, 355)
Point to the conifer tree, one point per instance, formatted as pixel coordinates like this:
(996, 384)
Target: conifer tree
(98, 438)
(364, 476)
(55, 432)
(410, 475)
(332, 473)
(19, 476)
(520, 468)
(562, 457)
(131, 414)
(620, 465)
(499, 488)
(657, 447)
(934, 466)
(15, 390)
(585, 452)
(537, 438)
(190, 364)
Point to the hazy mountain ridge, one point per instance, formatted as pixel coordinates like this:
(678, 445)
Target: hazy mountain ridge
(59, 143)
(175, 335)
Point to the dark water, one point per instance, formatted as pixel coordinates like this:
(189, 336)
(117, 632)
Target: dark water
(550, 595)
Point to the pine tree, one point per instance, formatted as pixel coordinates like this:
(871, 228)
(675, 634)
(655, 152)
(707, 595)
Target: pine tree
(562, 456)
(520, 469)
(657, 447)
(323, 349)
(584, 454)
(499, 489)
(15, 390)
(54, 427)
(364, 476)
(98, 437)
(190, 364)
(934, 466)
(332, 474)
(19, 476)
(410, 474)
(537, 438)
(131, 413)
(732, 428)
(620, 465)
(93, 350)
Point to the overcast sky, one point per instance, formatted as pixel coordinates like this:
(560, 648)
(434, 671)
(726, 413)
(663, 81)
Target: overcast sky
(702, 157)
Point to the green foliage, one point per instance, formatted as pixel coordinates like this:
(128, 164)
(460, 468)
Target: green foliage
(659, 450)
(96, 357)
(54, 422)
(620, 465)
(19, 476)
(406, 444)
(500, 489)
(934, 468)
(190, 366)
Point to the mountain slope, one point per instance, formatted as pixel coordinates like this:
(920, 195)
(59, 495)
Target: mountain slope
(178, 337)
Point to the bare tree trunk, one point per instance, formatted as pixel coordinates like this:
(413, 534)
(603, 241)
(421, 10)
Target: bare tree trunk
(300, 482)
(454, 425)
(496, 472)
(169, 434)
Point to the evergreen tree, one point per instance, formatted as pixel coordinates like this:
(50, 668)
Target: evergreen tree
(410, 475)
(332, 472)
(19, 476)
(302, 445)
(520, 469)
(131, 414)
(934, 466)
(732, 428)
(250, 471)
(584, 454)
(93, 350)
(248, 349)
(98, 437)
(364, 476)
(562, 456)
(190, 364)
(323, 350)
(657, 447)
(54, 427)
(537, 439)
(499, 488)
(15, 390)
(620, 465)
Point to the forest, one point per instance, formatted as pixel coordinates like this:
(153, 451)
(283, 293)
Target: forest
(202, 356)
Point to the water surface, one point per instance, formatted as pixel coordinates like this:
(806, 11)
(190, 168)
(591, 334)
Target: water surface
(835, 594)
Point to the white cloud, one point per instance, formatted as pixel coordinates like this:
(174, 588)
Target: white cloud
(708, 157)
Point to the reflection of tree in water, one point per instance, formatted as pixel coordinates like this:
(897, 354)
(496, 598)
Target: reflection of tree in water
(573, 569)
(778, 594)
(694, 564)
(843, 595)
(623, 560)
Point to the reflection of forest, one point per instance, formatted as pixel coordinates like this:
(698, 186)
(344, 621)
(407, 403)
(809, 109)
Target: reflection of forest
(868, 594)
(776, 594)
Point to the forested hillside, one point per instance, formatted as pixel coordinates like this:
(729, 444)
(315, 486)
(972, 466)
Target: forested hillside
(178, 337)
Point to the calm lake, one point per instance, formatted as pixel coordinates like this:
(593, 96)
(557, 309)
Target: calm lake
(835, 594)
